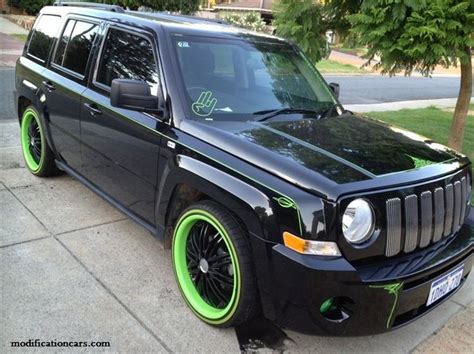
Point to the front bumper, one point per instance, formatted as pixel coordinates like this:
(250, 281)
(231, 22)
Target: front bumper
(370, 299)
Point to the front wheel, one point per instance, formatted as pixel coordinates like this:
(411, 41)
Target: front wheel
(39, 159)
(213, 265)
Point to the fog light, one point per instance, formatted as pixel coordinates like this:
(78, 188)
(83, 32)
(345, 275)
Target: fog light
(321, 248)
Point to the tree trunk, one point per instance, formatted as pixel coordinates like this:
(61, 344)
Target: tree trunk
(456, 135)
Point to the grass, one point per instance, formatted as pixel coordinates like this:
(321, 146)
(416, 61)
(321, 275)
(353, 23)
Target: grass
(20, 37)
(431, 122)
(331, 66)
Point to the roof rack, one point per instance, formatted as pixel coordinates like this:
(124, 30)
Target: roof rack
(92, 5)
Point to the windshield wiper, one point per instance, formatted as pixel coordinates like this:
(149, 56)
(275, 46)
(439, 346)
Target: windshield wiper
(270, 113)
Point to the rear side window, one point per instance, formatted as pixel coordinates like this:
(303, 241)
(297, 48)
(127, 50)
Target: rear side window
(127, 56)
(43, 36)
(75, 46)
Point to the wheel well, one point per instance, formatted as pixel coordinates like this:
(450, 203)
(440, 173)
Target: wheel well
(23, 102)
(182, 197)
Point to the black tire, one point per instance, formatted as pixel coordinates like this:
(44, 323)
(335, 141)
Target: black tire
(193, 278)
(39, 158)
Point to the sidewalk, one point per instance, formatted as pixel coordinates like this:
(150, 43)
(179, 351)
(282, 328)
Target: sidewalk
(10, 47)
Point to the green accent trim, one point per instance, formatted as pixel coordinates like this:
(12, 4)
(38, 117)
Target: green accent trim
(204, 101)
(392, 289)
(28, 116)
(200, 307)
(285, 202)
(326, 306)
(219, 162)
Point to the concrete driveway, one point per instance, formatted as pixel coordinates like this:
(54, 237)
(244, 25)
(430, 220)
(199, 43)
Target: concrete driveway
(73, 268)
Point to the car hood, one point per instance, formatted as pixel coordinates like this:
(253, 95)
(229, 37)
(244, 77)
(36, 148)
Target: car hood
(344, 149)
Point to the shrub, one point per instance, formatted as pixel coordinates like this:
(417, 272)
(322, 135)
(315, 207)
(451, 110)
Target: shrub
(250, 20)
(31, 7)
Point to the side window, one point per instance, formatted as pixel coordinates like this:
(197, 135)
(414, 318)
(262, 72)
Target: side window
(43, 36)
(127, 56)
(75, 46)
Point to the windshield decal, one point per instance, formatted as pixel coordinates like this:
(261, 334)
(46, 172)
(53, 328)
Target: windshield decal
(205, 104)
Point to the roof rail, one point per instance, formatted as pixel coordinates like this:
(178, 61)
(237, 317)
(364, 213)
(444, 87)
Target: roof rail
(163, 15)
(92, 5)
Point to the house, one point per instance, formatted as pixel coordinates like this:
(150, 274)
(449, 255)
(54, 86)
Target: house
(264, 7)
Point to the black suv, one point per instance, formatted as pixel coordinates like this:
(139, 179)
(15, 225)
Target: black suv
(231, 148)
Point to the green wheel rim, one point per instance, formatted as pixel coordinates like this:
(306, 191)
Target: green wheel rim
(32, 140)
(204, 310)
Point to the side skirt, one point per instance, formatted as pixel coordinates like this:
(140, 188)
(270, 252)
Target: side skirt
(158, 232)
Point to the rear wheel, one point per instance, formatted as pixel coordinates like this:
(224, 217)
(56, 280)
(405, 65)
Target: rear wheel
(39, 159)
(213, 266)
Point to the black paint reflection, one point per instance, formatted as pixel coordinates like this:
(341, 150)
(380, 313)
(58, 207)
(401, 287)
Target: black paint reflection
(375, 147)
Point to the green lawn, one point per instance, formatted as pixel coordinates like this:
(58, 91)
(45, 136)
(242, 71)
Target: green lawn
(20, 37)
(331, 66)
(431, 122)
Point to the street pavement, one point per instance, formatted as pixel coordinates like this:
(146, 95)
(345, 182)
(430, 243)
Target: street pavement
(74, 268)
(369, 89)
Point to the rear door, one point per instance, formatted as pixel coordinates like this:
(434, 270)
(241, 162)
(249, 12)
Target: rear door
(64, 82)
(121, 147)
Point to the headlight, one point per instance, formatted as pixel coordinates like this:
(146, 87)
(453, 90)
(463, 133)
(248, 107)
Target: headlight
(358, 221)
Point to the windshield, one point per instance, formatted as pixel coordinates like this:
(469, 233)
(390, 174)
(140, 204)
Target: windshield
(232, 79)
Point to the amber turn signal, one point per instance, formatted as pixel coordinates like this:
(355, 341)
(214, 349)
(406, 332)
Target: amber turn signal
(321, 248)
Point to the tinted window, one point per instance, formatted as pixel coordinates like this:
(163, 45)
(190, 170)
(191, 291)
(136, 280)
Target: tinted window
(58, 58)
(43, 36)
(127, 56)
(75, 46)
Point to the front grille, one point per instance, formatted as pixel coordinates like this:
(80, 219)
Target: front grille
(419, 219)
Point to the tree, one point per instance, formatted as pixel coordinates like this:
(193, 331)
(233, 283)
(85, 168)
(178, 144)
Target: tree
(302, 22)
(335, 13)
(417, 35)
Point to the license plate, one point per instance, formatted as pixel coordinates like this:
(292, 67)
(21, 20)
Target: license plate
(445, 284)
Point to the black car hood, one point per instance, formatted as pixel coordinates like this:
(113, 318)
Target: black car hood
(344, 149)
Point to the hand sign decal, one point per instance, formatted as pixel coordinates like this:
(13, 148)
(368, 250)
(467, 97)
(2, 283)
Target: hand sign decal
(205, 104)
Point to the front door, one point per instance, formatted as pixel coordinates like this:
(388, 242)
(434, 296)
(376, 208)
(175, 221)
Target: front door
(120, 147)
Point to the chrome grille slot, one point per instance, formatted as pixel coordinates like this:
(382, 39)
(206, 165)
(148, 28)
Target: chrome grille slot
(449, 199)
(426, 218)
(411, 223)
(394, 226)
(438, 214)
(463, 199)
(457, 206)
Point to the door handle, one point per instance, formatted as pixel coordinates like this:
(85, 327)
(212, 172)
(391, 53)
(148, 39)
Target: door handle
(49, 86)
(93, 109)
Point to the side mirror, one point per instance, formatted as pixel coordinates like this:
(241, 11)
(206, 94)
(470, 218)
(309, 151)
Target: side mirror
(335, 88)
(134, 95)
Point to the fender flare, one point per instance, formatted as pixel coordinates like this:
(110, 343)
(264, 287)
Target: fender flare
(34, 96)
(255, 210)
